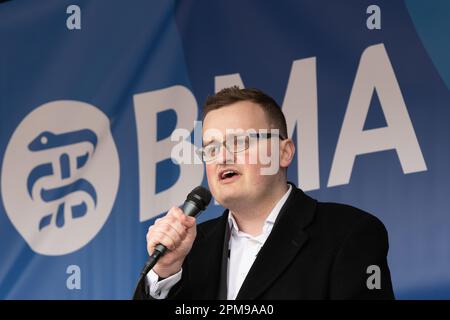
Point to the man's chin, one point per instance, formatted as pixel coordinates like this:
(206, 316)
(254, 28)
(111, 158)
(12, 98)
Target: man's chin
(229, 198)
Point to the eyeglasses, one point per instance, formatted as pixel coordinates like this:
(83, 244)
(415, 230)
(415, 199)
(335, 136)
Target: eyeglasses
(234, 144)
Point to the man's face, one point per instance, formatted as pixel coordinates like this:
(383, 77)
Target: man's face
(248, 185)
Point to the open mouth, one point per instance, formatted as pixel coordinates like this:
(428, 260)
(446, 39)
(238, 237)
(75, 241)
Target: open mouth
(228, 175)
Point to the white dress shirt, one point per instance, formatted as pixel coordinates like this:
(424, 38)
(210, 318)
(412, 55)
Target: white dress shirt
(244, 248)
(243, 251)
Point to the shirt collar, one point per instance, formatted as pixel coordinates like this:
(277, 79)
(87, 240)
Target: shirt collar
(271, 218)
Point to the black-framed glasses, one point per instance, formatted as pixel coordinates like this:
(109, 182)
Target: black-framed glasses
(234, 144)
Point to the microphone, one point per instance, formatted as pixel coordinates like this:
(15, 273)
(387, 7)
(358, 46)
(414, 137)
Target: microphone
(197, 200)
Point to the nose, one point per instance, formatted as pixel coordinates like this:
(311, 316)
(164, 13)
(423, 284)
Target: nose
(225, 156)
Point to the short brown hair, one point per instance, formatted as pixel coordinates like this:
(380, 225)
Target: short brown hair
(234, 94)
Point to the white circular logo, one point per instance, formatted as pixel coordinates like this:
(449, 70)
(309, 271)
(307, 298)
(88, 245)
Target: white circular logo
(60, 176)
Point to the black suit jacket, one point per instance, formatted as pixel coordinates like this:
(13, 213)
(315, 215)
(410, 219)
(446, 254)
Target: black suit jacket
(315, 251)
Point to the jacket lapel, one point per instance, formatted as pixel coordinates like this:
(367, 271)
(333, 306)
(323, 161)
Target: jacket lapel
(282, 245)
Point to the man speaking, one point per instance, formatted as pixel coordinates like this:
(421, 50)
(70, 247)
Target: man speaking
(273, 241)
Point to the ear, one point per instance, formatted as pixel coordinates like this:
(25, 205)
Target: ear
(287, 151)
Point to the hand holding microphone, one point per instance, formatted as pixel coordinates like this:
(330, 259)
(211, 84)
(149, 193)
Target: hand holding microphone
(170, 239)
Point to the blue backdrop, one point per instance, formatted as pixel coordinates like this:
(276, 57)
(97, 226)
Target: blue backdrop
(90, 95)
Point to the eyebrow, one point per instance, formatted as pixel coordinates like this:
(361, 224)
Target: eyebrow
(209, 142)
(214, 140)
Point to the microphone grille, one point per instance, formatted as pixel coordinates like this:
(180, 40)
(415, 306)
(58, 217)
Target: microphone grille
(200, 196)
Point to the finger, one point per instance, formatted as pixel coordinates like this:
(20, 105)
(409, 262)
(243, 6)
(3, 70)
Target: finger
(155, 232)
(171, 216)
(176, 211)
(169, 225)
(188, 221)
(171, 230)
(161, 238)
(176, 226)
(180, 221)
